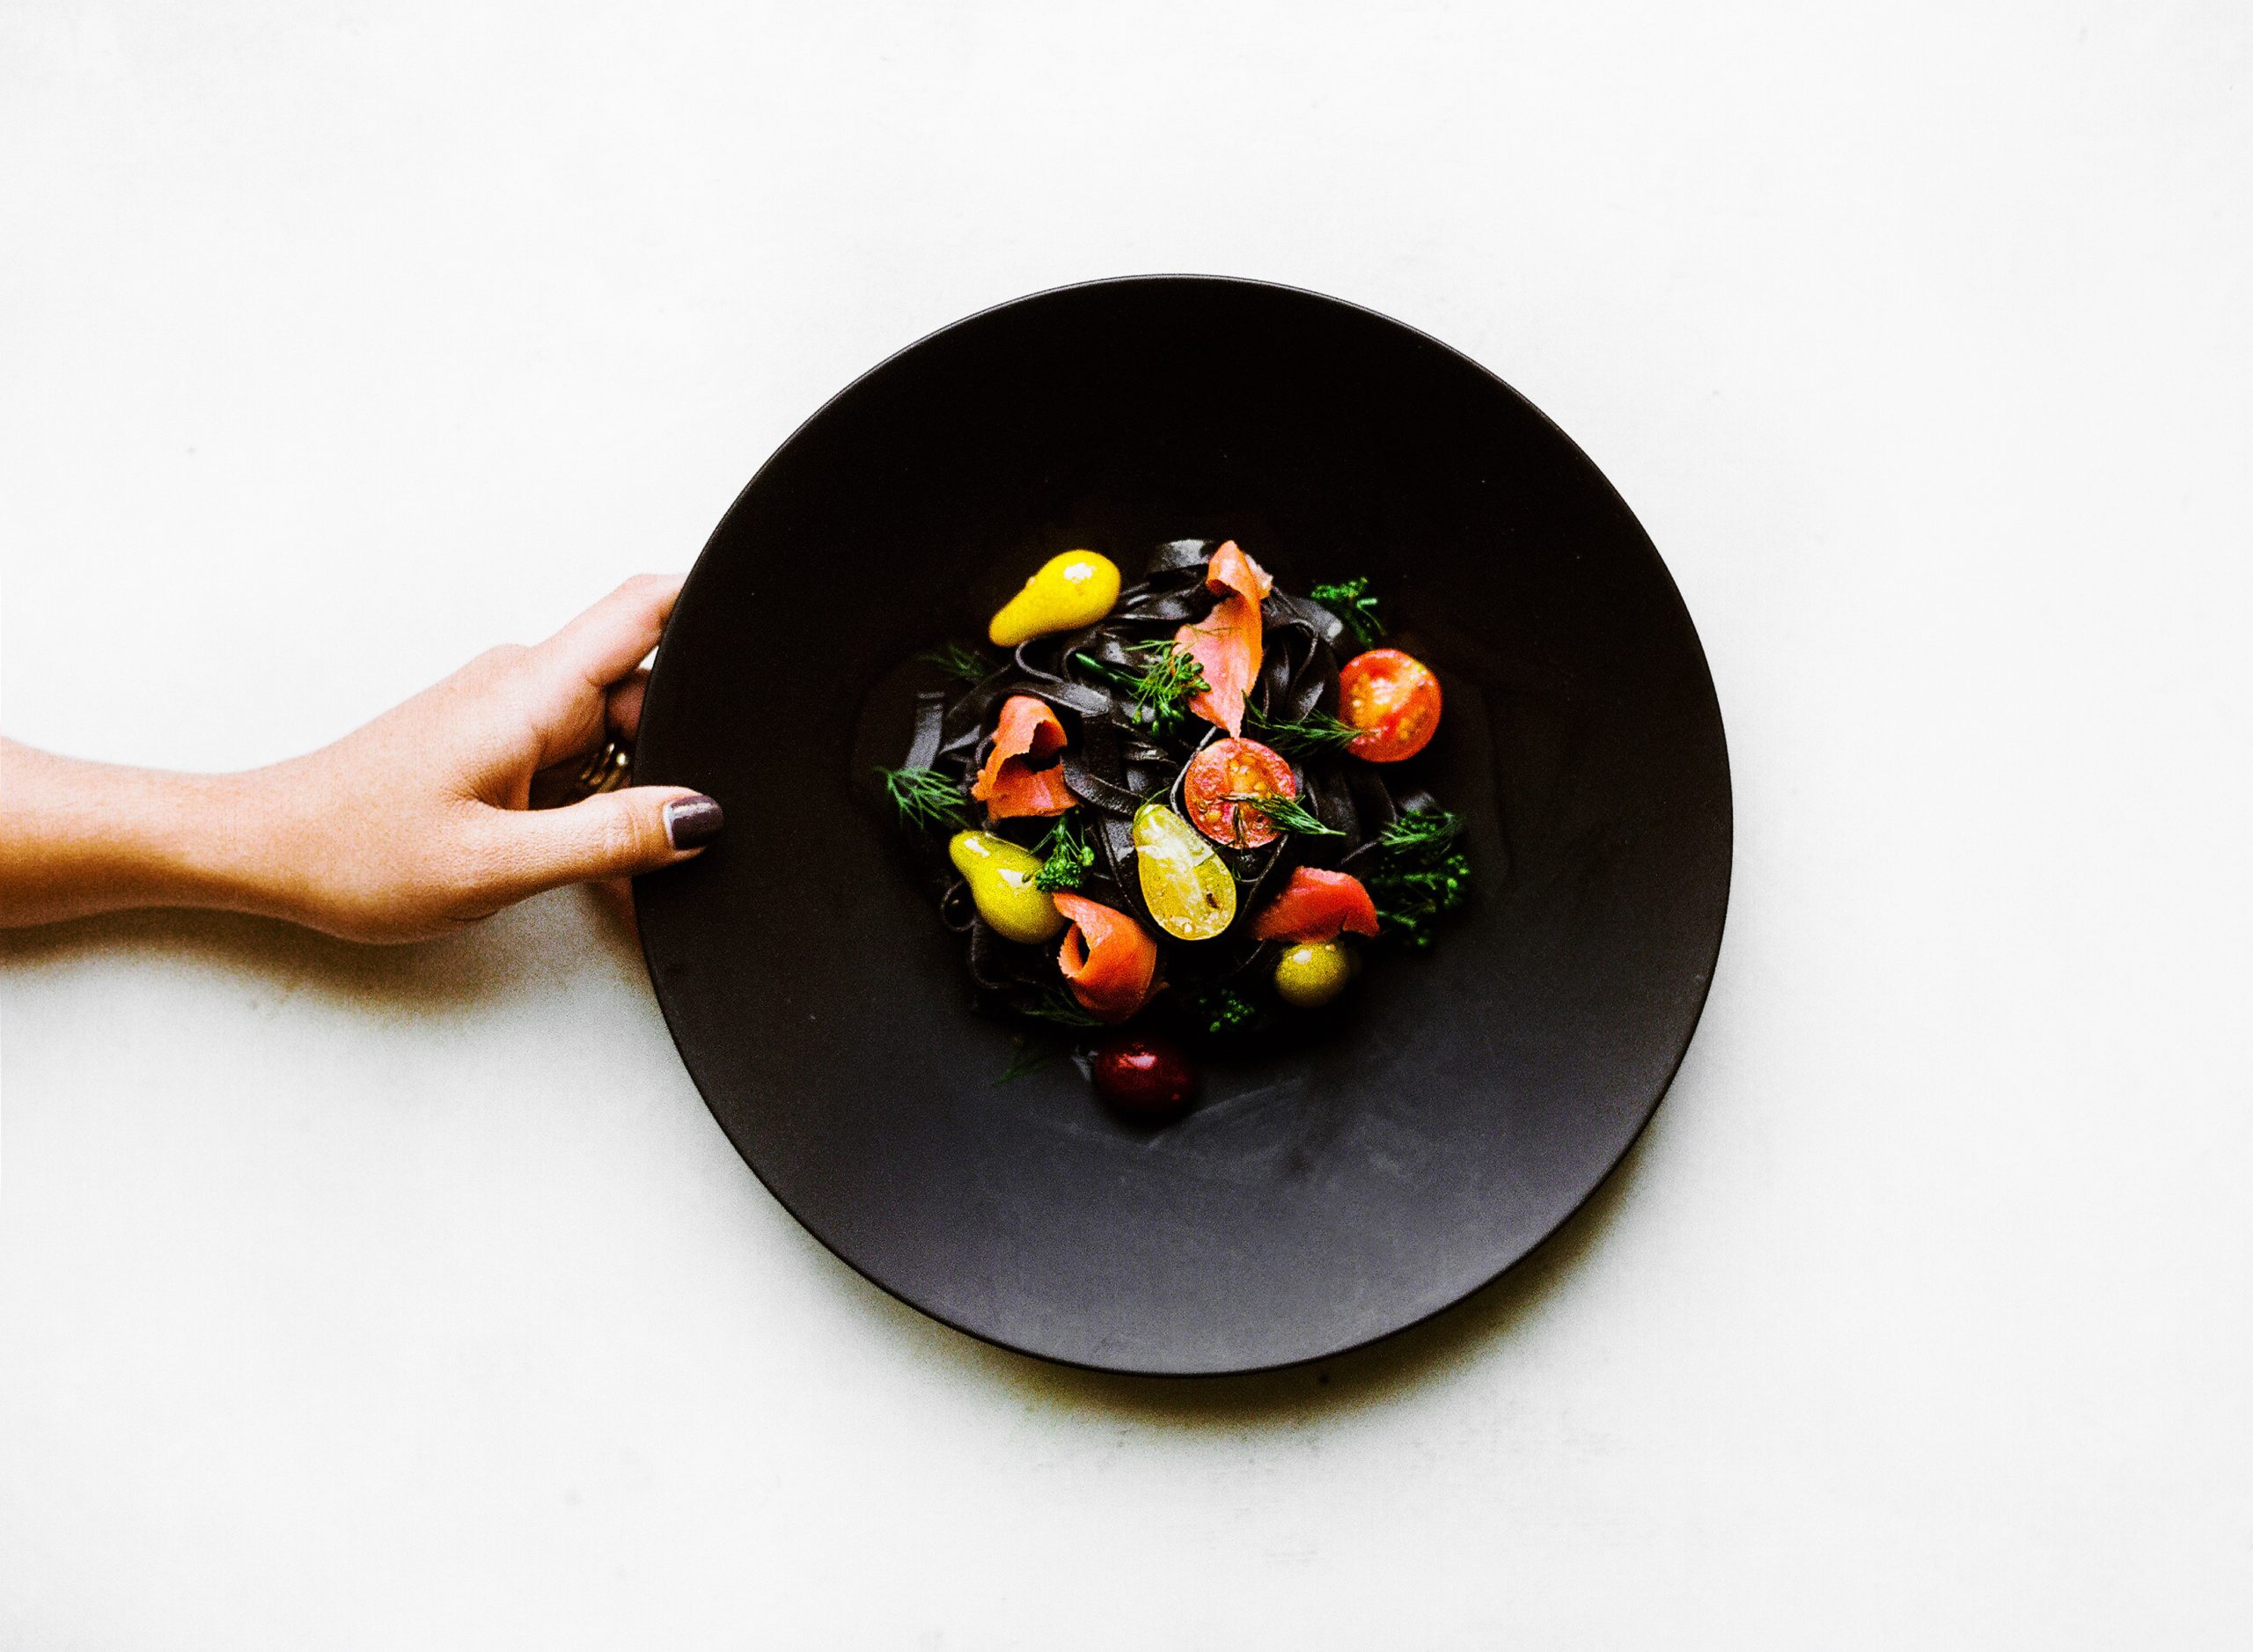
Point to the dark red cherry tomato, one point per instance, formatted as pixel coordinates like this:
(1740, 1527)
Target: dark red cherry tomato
(1144, 1078)
(1393, 699)
(1237, 769)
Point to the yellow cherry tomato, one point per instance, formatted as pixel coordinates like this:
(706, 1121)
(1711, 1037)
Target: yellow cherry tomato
(1070, 590)
(1310, 974)
(1186, 886)
(1000, 878)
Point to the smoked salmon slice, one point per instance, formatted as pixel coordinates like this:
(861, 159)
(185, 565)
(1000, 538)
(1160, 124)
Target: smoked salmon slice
(1315, 906)
(1227, 645)
(1009, 786)
(1109, 959)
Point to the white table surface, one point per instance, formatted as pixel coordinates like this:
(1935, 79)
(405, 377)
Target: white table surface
(411, 1299)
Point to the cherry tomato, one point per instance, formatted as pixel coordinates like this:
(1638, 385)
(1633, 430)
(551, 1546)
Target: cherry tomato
(1144, 1078)
(1236, 767)
(1313, 973)
(1393, 699)
(1185, 885)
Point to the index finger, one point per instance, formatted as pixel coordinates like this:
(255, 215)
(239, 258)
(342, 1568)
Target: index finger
(611, 638)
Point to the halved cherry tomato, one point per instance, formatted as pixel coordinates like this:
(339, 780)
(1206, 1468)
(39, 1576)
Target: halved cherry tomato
(1393, 699)
(1187, 887)
(1237, 768)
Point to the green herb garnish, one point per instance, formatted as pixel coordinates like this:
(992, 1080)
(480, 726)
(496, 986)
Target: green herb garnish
(1068, 860)
(1222, 1010)
(956, 661)
(1061, 1008)
(924, 796)
(1420, 832)
(1031, 1055)
(1317, 731)
(1285, 814)
(1350, 600)
(1420, 876)
(1162, 689)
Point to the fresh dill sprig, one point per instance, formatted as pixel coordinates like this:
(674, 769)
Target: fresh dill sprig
(1058, 1006)
(1069, 859)
(1420, 832)
(956, 661)
(1031, 1055)
(1350, 600)
(923, 797)
(1298, 736)
(1162, 689)
(1285, 814)
(1420, 876)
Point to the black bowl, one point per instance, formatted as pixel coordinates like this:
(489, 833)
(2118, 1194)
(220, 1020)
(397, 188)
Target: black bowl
(1326, 1193)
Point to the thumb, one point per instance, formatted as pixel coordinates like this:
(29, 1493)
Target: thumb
(612, 835)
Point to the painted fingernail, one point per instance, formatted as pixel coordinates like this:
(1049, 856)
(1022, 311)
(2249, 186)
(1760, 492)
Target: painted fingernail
(692, 822)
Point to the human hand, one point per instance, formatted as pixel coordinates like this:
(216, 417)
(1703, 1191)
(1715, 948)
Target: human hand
(415, 825)
(420, 822)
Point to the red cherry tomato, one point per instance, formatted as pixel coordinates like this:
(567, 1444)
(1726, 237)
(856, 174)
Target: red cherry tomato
(1393, 699)
(1236, 767)
(1144, 1078)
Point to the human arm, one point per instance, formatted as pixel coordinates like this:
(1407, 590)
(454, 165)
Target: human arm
(413, 826)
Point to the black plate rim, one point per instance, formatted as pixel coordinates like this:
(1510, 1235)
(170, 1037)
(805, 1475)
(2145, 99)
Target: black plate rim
(1690, 1029)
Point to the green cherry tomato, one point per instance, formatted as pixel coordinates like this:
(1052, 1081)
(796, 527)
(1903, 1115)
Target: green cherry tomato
(1186, 886)
(1310, 974)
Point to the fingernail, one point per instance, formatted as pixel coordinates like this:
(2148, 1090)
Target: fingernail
(692, 822)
